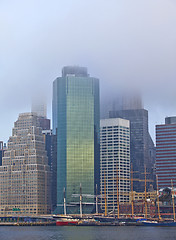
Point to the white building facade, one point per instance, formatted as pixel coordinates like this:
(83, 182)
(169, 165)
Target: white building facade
(114, 162)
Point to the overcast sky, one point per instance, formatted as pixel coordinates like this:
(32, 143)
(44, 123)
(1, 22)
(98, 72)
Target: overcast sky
(125, 43)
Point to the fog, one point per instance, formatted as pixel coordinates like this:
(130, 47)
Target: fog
(126, 44)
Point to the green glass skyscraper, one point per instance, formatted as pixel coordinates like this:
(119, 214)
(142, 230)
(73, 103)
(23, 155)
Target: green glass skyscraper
(76, 121)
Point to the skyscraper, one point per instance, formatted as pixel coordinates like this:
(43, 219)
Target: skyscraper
(51, 149)
(39, 106)
(142, 150)
(166, 152)
(76, 120)
(1, 152)
(131, 101)
(122, 100)
(114, 161)
(25, 174)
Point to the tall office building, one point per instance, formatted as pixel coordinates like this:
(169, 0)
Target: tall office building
(25, 174)
(114, 162)
(131, 101)
(1, 151)
(125, 100)
(51, 149)
(76, 120)
(166, 152)
(142, 150)
(39, 106)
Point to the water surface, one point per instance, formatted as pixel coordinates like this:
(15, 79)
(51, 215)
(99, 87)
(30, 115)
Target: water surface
(87, 233)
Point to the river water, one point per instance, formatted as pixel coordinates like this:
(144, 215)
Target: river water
(87, 233)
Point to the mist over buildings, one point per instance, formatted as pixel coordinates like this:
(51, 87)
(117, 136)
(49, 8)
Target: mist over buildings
(126, 44)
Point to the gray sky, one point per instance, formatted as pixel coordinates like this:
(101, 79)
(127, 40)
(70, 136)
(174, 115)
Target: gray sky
(125, 43)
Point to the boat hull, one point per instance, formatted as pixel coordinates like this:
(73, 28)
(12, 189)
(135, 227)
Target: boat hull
(159, 224)
(66, 223)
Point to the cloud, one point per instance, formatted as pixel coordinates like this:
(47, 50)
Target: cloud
(127, 44)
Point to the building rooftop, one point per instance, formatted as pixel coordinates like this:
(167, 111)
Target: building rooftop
(170, 120)
(75, 71)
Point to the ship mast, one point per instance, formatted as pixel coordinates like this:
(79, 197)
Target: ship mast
(118, 210)
(80, 201)
(64, 203)
(173, 202)
(159, 215)
(105, 194)
(132, 197)
(96, 200)
(145, 194)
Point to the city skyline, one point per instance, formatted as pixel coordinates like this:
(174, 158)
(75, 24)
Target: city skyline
(88, 119)
(125, 44)
(27, 108)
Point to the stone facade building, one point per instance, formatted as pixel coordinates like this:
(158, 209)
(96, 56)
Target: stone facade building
(25, 173)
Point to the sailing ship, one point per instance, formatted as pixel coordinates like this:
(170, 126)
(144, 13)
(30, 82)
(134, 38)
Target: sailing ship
(161, 222)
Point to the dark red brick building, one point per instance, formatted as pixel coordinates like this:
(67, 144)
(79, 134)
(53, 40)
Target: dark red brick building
(166, 152)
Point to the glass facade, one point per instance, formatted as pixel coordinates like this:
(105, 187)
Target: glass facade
(76, 102)
(1, 152)
(51, 149)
